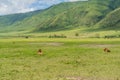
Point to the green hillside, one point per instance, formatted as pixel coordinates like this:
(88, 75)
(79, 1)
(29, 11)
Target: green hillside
(34, 21)
(111, 21)
(65, 16)
(82, 15)
(8, 20)
(86, 14)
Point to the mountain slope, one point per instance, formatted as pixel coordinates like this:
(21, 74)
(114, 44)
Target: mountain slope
(111, 21)
(8, 20)
(87, 14)
(47, 14)
(83, 15)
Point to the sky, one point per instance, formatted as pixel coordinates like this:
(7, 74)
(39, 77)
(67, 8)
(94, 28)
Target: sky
(22, 6)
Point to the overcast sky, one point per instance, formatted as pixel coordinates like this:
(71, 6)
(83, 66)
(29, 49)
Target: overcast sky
(21, 6)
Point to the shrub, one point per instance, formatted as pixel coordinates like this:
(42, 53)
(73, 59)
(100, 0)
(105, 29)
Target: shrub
(76, 34)
(57, 36)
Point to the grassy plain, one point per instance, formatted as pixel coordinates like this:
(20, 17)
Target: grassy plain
(63, 59)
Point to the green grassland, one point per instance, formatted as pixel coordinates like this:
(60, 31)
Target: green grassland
(82, 33)
(62, 59)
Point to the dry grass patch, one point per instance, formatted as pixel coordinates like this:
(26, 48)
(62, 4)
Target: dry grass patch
(99, 45)
(48, 43)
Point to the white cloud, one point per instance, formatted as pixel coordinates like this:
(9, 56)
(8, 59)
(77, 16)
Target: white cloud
(15, 6)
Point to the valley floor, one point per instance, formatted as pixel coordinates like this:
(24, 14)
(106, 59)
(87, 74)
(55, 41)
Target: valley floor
(62, 59)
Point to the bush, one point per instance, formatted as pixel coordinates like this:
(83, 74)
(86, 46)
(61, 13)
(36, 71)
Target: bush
(110, 36)
(76, 34)
(57, 36)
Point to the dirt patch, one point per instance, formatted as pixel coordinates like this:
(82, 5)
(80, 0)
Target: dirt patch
(49, 43)
(53, 44)
(80, 78)
(89, 78)
(98, 45)
(74, 78)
